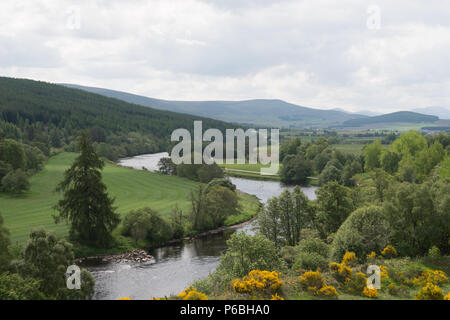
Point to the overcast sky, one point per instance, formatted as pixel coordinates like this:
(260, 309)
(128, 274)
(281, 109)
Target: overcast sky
(358, 55)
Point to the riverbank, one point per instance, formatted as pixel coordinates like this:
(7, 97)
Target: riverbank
(141, 256)
(250, 207)
(179, 263)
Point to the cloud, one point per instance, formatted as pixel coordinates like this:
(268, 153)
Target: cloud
(319, 54)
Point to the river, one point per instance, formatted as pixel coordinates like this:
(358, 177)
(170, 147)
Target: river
(174, 267)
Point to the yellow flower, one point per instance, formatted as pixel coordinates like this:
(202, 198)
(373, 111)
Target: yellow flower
(258, 281)
(370, 292)
(276, 297)
(328, 291)
(389, 252)
(384, 273)
(192, 294)
(312, 280)
(436, 277)
(125, 298)
(371, 256)
(430, 292)
(349, 258)
(341, 271)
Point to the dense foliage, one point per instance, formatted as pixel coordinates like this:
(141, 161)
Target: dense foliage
(46, 115)
(86, 203)
(40, 270)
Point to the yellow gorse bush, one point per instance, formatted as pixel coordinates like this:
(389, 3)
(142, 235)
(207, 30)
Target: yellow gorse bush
(192, 294)
(124, 298)
(447, 297)
(370, 292)
(357, 283)
(436, 277)
(328, 291)
(312, 280)
(389, 252)
(276, 297)
(341, 271)
(258, 280)
(384, 273)
(371, 256)
(430, 292)
(349, 258)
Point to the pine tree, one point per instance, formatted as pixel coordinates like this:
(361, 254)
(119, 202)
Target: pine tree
(86, 204)
(5, 257)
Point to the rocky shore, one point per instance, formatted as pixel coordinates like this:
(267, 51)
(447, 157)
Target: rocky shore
(137, 255)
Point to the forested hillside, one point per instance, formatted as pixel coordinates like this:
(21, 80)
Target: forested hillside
(48, 116)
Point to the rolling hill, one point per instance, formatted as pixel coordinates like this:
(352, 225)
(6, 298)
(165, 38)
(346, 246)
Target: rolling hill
(395, 117)
(259, 112)
(43, 113)
(441, 112)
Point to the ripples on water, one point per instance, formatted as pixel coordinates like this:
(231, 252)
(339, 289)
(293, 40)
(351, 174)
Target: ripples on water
(175, 267)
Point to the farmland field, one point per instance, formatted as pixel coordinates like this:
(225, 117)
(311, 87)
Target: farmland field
(132, 189)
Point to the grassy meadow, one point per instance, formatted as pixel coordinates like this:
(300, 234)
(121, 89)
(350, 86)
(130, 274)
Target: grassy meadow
(132, 189)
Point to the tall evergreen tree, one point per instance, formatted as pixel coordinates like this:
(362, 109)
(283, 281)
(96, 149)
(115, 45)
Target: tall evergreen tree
(86, 204)
(5, 257)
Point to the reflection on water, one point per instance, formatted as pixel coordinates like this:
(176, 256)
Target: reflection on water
(175, 267)
(265, 190)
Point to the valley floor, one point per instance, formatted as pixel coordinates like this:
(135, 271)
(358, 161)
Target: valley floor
(132, 189)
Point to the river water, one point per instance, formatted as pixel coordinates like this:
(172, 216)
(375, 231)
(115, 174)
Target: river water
(174, 267)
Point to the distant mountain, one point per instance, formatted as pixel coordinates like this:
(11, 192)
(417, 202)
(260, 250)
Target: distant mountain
(259, 112)
(360, 112)
(400, 116)
(441, 112)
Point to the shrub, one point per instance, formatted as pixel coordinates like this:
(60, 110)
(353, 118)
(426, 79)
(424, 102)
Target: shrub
(312, 281)
(370, 292)
(224, 182)
(396, 276)
(341, 272)
(430, 292)
(357, 283)
(384, 273)
(400, 290)
(328, 291)
(349, 258)
(314, 245)
(434, 252)
(258, 282)
(246, 253)
(192, 294)
(15, 287)
(389, 252)
(436, 277)
(289, 254)
(15, 182)
(447, 297)
(146, 223)
(371, 257)
(365, 230)
(310, 261)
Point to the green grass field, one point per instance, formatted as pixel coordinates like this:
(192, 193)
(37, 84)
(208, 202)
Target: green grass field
(250, 171)
(132, 189)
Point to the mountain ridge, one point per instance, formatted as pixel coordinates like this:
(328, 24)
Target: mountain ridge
(399, 116)
(268, 112)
